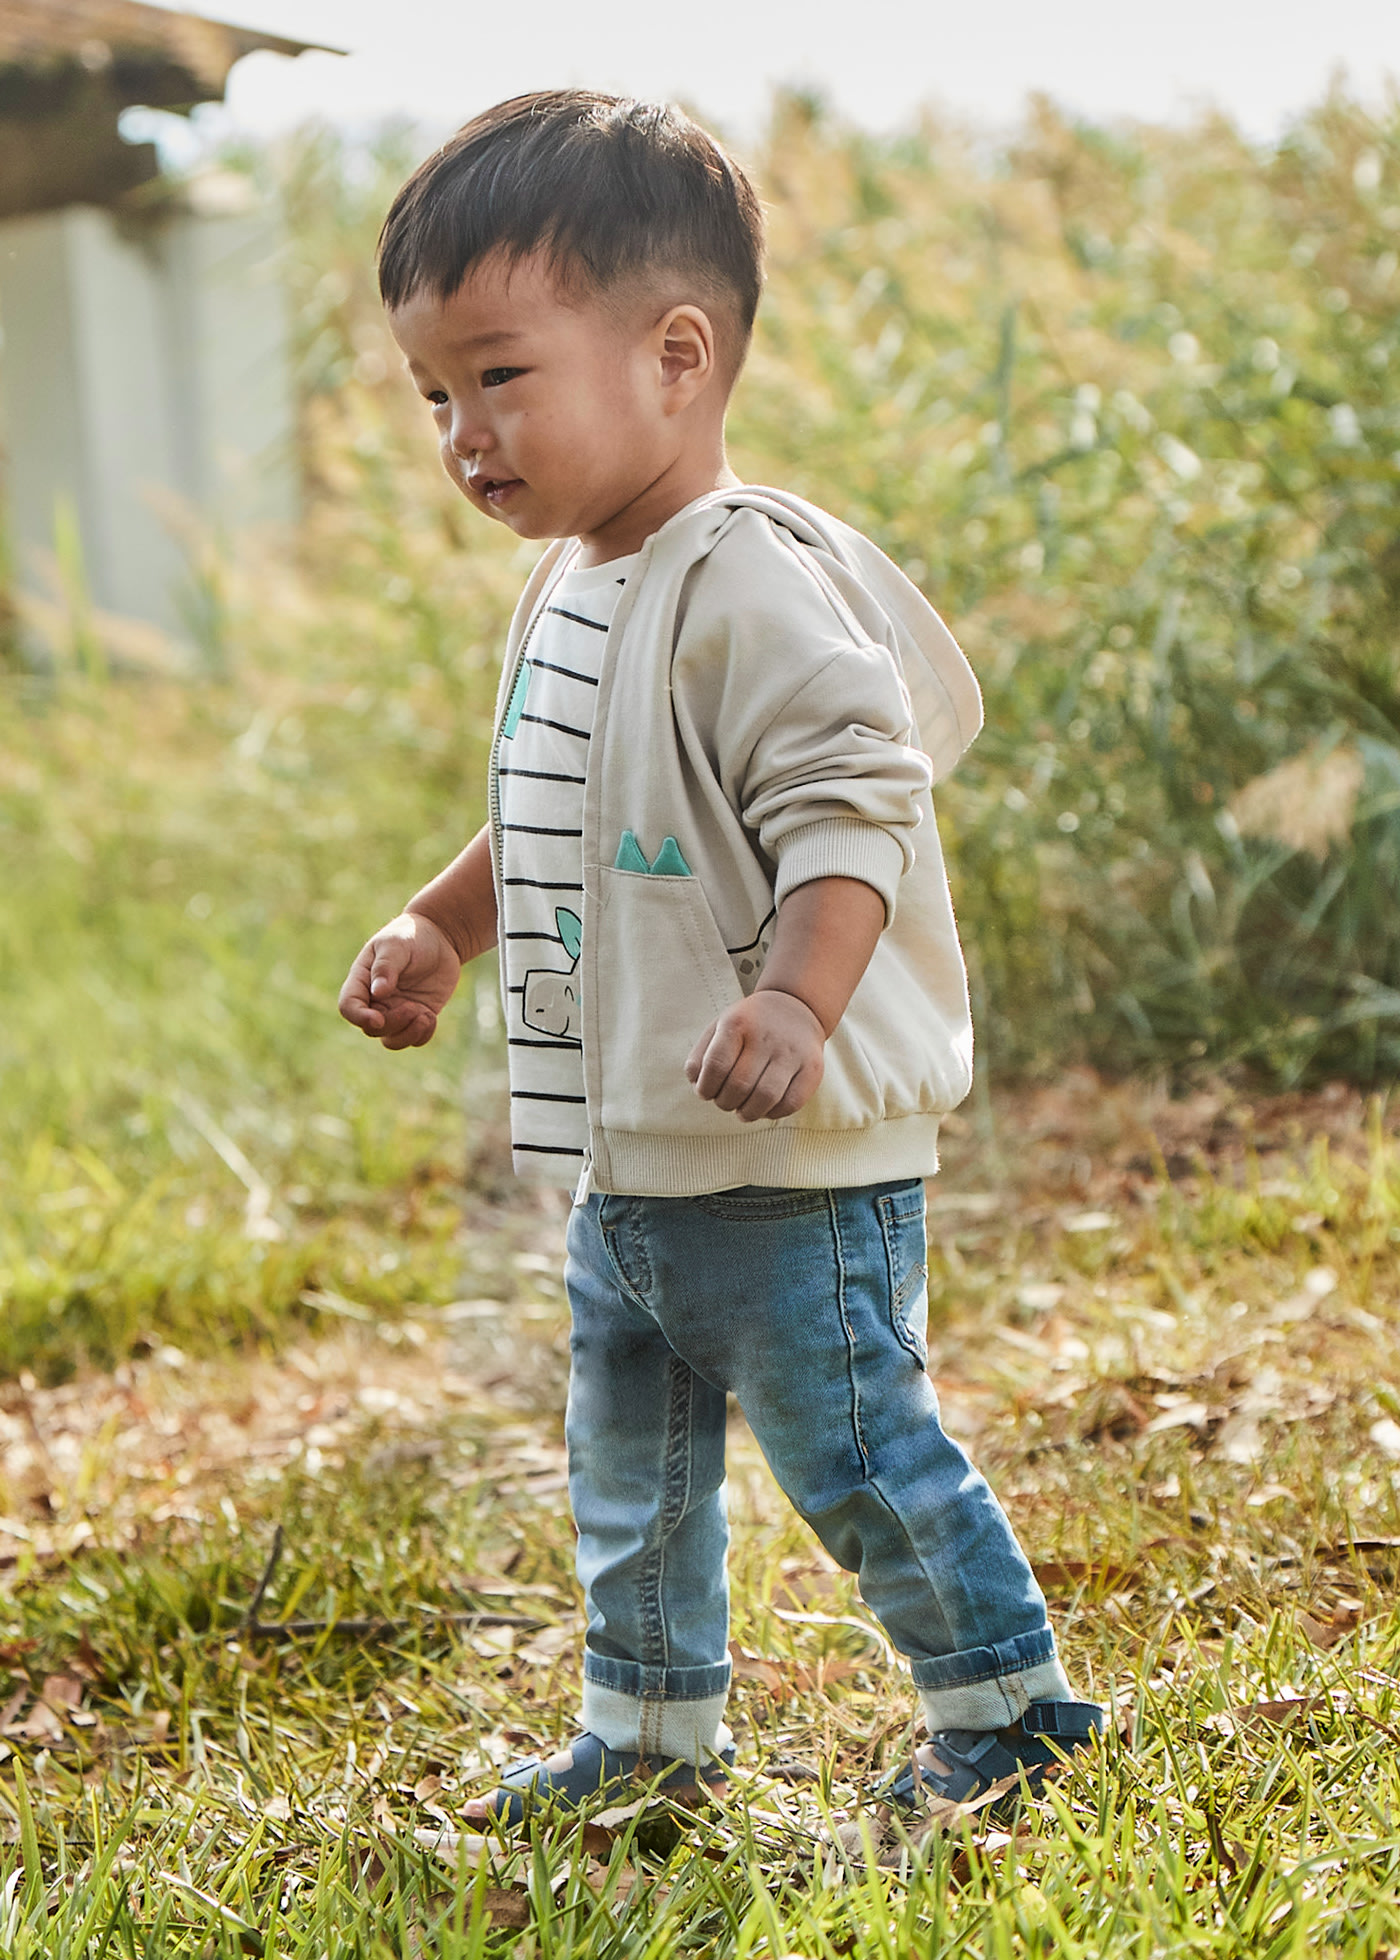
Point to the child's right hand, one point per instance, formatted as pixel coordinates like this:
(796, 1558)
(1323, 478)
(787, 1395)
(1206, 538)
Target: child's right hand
(401, 981)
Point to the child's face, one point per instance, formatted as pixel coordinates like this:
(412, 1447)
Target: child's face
(551, 411)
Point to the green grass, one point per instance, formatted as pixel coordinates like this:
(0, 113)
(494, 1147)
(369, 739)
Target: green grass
(217, 1793)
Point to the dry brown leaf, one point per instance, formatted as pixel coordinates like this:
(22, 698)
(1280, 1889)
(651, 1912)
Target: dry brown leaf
(1063, 1574)
(818, 1677)
(995, 1847)
(601, 1832)
(748, 1666)
(506, 1905)
(450, 1845)
(425, 1787)
(1326, 1633)
(808, 1584)
(1270, 1714)
(39, 1725)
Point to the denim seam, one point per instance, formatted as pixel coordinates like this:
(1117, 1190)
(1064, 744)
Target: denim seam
(901, 1290)
(676, 1492)
(834, 1217)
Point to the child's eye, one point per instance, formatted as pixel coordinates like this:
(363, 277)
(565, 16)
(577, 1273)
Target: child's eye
(497, 377)
(438, 397)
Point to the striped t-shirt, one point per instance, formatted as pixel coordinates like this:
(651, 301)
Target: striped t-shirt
(542, 764)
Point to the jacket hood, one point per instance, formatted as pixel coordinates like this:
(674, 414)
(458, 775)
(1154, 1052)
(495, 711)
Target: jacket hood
(943, 690)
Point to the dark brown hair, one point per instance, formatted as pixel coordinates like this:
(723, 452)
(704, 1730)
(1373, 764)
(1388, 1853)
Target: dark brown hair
(612, 190)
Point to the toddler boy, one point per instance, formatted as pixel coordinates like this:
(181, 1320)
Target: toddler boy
(736, 1004)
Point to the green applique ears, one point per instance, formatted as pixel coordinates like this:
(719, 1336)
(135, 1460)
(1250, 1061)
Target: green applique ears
(569, 926)
(668, 862)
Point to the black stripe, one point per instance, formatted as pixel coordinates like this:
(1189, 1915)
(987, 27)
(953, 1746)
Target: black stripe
(543, 884)
(543, 721)
(539, 830)
(523, 1041)
(541, 1095)
(589, 680)
(563, 612)
(542, 775)
(515, 990)
(552, 937)
(750, 944)
(547, 1149)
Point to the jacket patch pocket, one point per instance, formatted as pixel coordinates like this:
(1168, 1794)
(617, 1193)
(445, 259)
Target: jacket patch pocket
(663, 977)
(906, 1252)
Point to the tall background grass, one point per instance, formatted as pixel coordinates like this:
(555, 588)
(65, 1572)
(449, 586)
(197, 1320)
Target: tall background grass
(1123, 401)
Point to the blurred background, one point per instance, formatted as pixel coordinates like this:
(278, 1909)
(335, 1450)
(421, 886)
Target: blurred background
(1110, 368)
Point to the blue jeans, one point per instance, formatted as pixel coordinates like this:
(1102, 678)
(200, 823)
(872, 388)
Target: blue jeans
(811, 1307)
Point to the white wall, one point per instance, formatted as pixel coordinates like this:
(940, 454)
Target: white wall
(143, 373)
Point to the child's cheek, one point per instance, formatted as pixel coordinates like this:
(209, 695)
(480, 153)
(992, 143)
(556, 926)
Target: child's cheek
(452, 463)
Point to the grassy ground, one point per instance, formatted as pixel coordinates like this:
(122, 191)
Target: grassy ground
(1183, 1387)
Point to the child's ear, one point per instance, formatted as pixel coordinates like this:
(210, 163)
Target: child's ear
(686, 341)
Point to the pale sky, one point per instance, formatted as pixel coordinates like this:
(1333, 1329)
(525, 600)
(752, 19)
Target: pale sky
(439, 61)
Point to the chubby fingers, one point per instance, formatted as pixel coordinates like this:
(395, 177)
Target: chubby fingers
(408, 1024)
(370, 999)
(761, 1059)
(356, 1004)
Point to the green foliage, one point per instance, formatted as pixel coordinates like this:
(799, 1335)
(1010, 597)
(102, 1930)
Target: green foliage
(1121, 401)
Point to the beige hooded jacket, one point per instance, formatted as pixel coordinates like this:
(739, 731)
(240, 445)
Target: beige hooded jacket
(774, 703)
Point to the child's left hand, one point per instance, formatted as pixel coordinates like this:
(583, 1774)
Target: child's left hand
(762, 1057)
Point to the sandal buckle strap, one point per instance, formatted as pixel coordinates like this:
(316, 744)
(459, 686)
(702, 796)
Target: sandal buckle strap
(1075, 1721)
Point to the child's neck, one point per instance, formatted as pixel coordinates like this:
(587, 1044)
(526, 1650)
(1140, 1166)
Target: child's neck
(684, 481)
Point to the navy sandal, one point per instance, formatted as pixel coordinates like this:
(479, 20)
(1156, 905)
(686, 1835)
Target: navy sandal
(970, 1761)
(584, 1769)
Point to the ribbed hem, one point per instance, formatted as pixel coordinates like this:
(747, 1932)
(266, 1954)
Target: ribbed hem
(842, 847)
(641, 1164)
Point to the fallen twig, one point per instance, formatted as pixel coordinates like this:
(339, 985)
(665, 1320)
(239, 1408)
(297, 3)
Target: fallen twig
(250, 1618)
(252, 1628)
(378, 1629)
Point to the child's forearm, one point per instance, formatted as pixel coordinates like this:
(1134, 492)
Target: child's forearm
(461, 901)
(825, 934)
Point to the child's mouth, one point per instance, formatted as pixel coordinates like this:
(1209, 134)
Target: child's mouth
(496, 490)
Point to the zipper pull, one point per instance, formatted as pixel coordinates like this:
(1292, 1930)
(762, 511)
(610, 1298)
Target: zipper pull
(583, 1190)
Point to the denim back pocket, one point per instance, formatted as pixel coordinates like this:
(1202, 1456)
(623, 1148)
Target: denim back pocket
(906, 1252)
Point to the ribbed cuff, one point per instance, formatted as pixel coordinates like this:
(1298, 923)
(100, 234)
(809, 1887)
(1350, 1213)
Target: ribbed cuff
(843, 847)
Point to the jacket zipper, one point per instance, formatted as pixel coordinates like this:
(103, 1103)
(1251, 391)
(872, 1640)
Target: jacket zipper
(493, 811)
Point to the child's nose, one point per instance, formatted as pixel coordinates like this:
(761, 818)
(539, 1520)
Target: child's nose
(468, 436)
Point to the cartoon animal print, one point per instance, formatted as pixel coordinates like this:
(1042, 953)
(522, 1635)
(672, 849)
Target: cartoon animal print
(551, 999)
(748, 959)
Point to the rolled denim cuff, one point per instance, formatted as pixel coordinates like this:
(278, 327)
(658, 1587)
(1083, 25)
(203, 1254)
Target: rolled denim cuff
(667, 1714)
(990, 1687)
